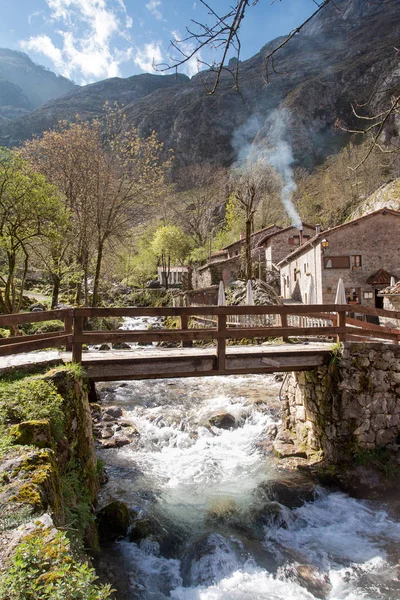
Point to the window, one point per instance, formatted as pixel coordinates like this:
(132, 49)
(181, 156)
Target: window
(356, 260)
(295, 275)
(294, 240)
(368, 295)
(353, 296)
(337, 262)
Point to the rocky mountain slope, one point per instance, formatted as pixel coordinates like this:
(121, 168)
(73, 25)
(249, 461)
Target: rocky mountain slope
(340, 58)
(24, 85)
(387, 196)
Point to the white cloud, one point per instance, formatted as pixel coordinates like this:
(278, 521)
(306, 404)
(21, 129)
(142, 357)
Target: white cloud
(88, 31)
(153, 7)
(149, 55)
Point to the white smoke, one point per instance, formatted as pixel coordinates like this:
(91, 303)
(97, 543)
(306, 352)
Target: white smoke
(275, 151)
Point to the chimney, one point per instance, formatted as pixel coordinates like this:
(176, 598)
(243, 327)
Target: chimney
(317, 229)
(301, 234)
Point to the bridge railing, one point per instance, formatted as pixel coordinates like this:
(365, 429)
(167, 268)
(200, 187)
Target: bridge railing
(283, 321)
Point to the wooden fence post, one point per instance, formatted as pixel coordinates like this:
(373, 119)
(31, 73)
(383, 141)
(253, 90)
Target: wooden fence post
(69, 327)
(77, 346)
(284, 323)
(185, 325)
(341, 320)
(221, 342)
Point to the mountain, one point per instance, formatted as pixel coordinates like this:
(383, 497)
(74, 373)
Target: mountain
(345, 54)
(24, 85)
(387, 196)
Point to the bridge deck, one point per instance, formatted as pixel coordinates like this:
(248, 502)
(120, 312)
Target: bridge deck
(158, 363)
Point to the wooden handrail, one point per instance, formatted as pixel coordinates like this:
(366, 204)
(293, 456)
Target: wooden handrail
(334, 322)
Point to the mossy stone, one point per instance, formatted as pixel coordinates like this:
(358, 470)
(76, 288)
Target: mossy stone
(32, 433)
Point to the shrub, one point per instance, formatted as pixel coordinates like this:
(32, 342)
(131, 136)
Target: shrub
(48, 571)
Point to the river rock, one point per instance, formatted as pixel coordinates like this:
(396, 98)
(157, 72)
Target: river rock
(116, 442)
(121, 346)
(311, 578)
(113, 520)
(104, 347)
(272, 514)
(222, 420)
(113, 411)
(292, 491)
(211, 557)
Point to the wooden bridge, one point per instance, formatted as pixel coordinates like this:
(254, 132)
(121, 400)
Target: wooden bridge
(312, 327)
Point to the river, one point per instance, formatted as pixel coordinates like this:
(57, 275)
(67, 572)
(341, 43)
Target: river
(212, 532)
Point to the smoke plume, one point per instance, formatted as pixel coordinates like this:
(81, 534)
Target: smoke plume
(275, 151)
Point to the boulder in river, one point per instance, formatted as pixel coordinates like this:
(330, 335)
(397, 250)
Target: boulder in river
(311, 578)
(113, 411)
(292, 491)
(113, 521)
(222, 420)
(210, 558)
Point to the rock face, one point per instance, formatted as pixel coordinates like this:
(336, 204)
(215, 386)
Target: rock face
(24, 85)
(329, 65)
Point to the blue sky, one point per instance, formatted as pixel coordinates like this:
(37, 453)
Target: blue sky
(89, 40)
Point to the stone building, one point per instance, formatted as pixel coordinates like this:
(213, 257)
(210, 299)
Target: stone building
(277, 244)
(364, 252)
(268, 245)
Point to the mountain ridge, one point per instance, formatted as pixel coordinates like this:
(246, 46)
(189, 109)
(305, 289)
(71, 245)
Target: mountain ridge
(326, 68)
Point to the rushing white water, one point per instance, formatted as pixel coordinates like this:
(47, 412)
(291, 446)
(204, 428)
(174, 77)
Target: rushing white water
(201, 486)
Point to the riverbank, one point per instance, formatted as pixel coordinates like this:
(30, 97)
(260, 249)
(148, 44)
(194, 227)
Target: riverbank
(48, 487)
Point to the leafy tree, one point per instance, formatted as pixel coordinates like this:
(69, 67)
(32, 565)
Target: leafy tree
(30, 209)
(109, 175)
(170, 244)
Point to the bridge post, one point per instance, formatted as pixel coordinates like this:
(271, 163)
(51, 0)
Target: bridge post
(341, 319)
(185, 325)
(284, 323)
(68, 327)
(77, 346)
(221, 342)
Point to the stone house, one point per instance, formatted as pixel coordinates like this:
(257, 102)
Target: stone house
(269, 246)
(278, 244)
(364, 252)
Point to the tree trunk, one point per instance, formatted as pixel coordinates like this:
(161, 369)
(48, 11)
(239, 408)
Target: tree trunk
(55, 290)
(248, 250)
(96, 281)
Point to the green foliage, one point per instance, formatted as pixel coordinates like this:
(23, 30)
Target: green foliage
(29, 399)
(48, 571)
(170, 243)
(43, 327)
(380, 458)
(233, 226)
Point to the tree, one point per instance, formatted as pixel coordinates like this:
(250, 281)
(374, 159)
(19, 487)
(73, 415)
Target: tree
(252, 183)
(170, 244)
(222, 35)
(30, 208)
(109, 176)
(201, 189)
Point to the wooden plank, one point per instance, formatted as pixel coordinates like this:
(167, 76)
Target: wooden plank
(49, 342)
(176, 335)
(365, 325)
(21, 339)
(366, 333)
(34, 317)
(292, 309)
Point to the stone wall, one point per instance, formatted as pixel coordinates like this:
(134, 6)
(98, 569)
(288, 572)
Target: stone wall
(353, 403)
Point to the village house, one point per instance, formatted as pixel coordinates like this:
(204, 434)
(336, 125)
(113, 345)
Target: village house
(175, 276)
(269, 246)
(364, 252)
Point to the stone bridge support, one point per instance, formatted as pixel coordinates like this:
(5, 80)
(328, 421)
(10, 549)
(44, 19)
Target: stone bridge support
(349, 405)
